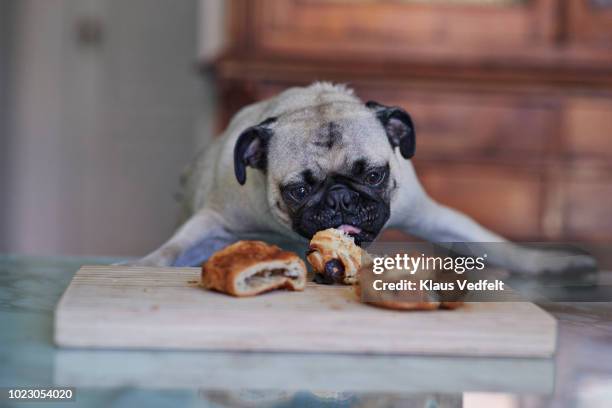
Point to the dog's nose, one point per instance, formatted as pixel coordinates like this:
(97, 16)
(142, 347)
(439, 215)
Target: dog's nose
(340, 197)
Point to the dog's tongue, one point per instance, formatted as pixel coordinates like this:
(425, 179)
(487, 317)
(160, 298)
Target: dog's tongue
(349, 229)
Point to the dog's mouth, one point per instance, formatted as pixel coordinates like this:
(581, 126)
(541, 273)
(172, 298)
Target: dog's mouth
(359, 235)
(349, 229)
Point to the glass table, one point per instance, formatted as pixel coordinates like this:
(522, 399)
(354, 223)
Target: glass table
(579, 375)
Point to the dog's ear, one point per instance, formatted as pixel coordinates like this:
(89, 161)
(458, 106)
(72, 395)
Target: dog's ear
(398, 125)
(251, 149)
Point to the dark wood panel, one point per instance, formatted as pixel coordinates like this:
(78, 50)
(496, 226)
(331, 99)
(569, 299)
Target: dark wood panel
(386, 27)
(588, 209)
(469, 124)
(590, 23)
(512, 75)
(588, 127)
(506, 199)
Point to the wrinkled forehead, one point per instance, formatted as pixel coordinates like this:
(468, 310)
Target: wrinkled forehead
(326, 141)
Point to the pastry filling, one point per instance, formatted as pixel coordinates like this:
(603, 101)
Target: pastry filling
(267, 276)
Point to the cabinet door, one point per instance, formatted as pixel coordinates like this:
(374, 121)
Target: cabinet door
(506, 199)
(406, 29)
(590, 23)
(587, 128)
(587, 193)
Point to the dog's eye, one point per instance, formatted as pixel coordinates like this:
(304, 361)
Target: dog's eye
(298, 192)
(374, 177)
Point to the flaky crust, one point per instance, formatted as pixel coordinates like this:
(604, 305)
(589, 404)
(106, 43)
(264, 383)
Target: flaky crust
(223, 269)
(333, 244)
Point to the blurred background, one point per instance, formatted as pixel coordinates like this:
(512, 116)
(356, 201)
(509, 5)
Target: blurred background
(102, 102)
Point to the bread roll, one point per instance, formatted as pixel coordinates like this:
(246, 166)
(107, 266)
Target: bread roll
(335, 257)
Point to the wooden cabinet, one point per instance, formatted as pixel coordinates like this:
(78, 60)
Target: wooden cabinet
(512, 99)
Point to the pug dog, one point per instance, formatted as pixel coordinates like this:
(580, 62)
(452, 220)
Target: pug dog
(318, 157)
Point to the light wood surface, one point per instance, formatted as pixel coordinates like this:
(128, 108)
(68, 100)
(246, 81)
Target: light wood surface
(135, 307)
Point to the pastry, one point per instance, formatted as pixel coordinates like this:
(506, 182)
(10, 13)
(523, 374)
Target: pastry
(335, 257)
(248, 268)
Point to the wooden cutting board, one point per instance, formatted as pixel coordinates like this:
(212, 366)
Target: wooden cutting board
(137, 307)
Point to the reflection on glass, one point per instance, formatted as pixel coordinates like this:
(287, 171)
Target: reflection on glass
(444, 2)
(471, 2)
(458, 2)
(271, 398)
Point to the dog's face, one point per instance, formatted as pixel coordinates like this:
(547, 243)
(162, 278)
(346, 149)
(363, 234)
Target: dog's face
(329, 166)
